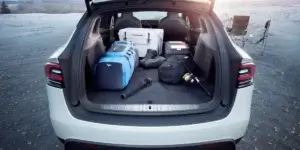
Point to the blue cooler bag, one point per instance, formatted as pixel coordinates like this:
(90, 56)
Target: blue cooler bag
(115, 68)
(124, 48)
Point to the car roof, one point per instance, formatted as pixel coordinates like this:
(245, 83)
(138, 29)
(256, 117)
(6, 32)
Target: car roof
(99, 1)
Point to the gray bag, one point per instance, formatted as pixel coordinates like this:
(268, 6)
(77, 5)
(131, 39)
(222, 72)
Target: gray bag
(176, 48)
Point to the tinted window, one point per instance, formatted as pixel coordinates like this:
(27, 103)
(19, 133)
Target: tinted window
(150, 15)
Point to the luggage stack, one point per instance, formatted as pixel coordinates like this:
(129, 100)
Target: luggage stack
(115, 68)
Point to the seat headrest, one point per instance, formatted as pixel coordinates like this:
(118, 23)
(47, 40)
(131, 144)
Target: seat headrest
(172, 14)
(127, 14)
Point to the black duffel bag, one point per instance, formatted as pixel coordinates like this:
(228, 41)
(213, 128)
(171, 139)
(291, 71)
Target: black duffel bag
(173, 69)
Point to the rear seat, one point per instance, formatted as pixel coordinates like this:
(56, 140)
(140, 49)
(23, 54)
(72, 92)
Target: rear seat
(175, 27)
(127, 20)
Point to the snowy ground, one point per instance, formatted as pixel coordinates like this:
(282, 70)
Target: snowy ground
(27, 40)
(275, 122)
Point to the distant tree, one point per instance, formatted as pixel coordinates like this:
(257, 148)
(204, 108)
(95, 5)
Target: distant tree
(4, 8)
(21, 7)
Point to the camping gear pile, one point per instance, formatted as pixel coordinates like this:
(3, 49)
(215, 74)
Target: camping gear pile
(144, 47)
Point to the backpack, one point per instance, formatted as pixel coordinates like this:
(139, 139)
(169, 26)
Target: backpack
(174, 68)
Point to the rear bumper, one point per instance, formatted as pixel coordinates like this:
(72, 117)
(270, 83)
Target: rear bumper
(217, 145)
(231, 127)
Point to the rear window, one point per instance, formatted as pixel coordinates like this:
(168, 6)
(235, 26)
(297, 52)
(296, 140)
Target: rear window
(149, 15)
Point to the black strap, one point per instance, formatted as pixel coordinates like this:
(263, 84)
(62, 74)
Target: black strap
(131, 50)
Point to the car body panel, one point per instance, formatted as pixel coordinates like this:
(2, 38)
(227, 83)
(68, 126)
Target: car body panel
(243, 53)
(246, 57)
(231, 127)
(54, 57)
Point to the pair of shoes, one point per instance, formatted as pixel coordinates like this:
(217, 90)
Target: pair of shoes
(152, 60)
(149, 55)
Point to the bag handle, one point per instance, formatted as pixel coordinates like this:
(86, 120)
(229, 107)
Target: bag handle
(148, 37)
(125, 38)
(128, 53)
(148, 40)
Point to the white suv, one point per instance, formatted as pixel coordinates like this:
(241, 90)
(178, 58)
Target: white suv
(161, 116)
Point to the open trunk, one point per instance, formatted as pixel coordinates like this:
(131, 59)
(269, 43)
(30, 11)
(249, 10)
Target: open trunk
(216, 60)
(182, 96)
(161, 98)
(222, 67)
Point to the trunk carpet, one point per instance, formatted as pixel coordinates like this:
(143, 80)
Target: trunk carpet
(157, 93)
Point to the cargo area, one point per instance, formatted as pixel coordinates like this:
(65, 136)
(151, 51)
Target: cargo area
(200, 48)
(157, 93)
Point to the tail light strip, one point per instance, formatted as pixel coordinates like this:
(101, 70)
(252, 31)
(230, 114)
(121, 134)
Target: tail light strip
(246, 74)
(54, 75)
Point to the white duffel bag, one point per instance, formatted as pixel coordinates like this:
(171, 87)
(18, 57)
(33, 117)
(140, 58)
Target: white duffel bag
(143, 38)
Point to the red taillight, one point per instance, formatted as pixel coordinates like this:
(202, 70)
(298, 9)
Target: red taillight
(246, 74)
(54, 74)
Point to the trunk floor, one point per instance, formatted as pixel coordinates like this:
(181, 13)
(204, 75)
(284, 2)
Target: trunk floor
(157, 93)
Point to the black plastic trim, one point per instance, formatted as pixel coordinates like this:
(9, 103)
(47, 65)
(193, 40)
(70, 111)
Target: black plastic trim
(203, 145)
(55, 84)
(231, 68)
(238, 140)
(69, 58)
(88, 6)
(245, 83)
